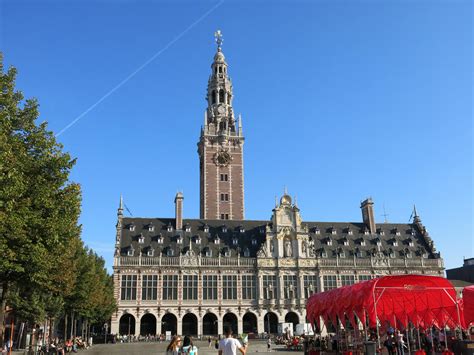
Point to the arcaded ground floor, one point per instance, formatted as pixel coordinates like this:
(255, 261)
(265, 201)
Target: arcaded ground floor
(255, 346)
(203, 323)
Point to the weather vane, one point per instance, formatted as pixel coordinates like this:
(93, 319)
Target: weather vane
(219, 39)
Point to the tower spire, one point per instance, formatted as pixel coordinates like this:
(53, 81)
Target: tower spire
(120, 209)
(219, 39)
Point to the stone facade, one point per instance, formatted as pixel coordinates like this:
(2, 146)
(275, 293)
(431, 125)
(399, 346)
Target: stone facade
(193, 276)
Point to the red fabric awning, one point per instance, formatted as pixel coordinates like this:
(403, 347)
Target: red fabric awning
(395, 300)
(468, 301)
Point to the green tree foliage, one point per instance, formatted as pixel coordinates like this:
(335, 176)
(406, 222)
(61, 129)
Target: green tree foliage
(44, 267)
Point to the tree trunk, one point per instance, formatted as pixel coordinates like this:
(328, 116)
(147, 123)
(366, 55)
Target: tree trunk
(3, 306)
(72, 324)
(65, 327)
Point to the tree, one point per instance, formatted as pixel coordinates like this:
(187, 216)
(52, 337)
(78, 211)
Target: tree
(39, 206)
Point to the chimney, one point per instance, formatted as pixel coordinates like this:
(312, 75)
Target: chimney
(178, 201)
(368, 218)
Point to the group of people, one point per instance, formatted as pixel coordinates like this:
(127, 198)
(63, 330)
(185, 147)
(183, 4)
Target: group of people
(226, 346)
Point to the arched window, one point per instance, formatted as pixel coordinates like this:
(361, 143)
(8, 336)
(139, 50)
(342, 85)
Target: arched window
(221, 96)
(220, 69)
(214, 97)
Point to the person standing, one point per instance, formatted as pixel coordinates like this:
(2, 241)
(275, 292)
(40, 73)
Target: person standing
(229, 345)
(173, 346)
(269, 344)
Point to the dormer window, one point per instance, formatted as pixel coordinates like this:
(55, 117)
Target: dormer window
(254, 241)
(379, 242)
(206, 229)
(151, 228)
(170, 252)
(366, 232)
(198, 240)
(333, 231)
(397, 232)
(362, 242)
(350, 232)
(224, 229)
(132, 228)
(217, 240)
(188, 228)
(141, 239)
(169, 228)
(410, 243)
(346, 242)
(235, 241)
(395, 243)
(391, 254)
(242, 230)
(412, 232)
(179, 240)
(227, 252)
(358, 253)
(246, 252)
(408, 254)
(329, 241)
(317, 231)
(324, 254)
(425, 255)
(159, 240)
(262, 230)
(130, 252)
(342, 254)
(150, 252)
(382, 233)
(208, 253)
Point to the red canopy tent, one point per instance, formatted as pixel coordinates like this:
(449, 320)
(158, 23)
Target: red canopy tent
(396, 300)
(468, 302)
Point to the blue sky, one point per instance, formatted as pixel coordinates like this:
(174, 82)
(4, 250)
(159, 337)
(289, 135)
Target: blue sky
(340, 100)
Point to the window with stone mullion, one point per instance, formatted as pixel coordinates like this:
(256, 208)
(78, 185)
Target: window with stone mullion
(209, 287)
(229, 287)
(248, 287)
(190, 287)
(310, 285)
(290, 285)
(149, 287)
(329, 282)
(347, 280)
(270, 286)
(170, 287)
(128, 288)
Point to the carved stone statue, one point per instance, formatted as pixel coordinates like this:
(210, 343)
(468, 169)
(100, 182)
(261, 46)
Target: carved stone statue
(305, 248)
(288, 249)
(262, 252)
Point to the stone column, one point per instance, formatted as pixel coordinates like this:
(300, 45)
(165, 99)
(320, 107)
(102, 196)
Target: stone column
(261, 323)
(260, 294)
(199, 325)
(240, 325)
(220, 325)
(179, 325)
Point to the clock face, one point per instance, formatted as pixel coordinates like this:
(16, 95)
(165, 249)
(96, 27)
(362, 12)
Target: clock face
(222, 158)
(221, 109)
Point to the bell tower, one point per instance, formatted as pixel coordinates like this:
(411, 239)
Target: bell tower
(220, 147)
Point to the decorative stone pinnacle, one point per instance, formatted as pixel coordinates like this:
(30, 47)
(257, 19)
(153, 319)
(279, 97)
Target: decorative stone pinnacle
(219, 39)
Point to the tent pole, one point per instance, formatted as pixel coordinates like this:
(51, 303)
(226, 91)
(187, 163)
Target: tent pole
(459, 319)
(431, 335)
(376, 321)
(419, 341)
(408, 341)
(445, 338)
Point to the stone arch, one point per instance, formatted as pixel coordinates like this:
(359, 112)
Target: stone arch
(127, 324)
(214, 95)
(221, 96)
(209, 324)
(190, 324)
(169, 323)
(270, 323)
(148, 324)
(249, 323)
(230, 319)
(292, 317)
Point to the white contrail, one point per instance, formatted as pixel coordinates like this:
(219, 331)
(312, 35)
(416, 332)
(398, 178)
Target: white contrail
(119, 85)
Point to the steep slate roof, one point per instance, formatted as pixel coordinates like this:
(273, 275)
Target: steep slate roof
(253, 235)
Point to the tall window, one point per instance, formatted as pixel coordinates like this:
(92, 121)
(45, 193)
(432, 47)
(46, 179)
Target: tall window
(270, 286)
(365, 277)
(190, 287)
(149, 287)
(229, 287)
(290, 286)
(209, 287)
(329, 282)
(170, 287)
(347, 280)
(129, 288)
(248, 287)
(310, 285)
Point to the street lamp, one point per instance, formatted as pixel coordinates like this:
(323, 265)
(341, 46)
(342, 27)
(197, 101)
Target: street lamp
(106, 326)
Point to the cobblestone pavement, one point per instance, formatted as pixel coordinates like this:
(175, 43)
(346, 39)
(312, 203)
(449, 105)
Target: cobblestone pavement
(255, 346)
